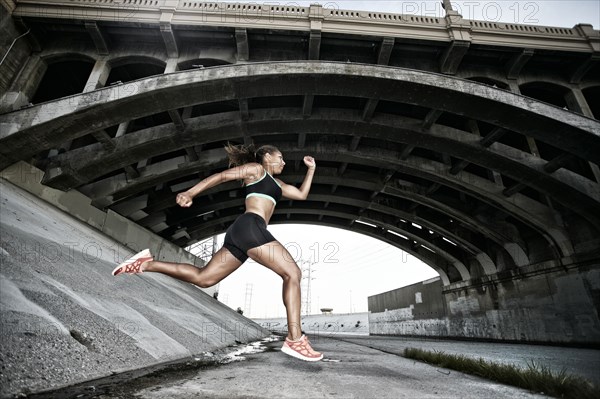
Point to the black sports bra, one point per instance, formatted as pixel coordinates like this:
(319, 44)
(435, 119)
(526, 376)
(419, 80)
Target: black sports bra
(265, 188)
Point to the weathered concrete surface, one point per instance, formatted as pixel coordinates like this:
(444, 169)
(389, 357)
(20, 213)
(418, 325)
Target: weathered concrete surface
(356, 371)
(354, 367)
(65, 318)
(323, 324)
(13, 59)
(558, 305)
(112, 224)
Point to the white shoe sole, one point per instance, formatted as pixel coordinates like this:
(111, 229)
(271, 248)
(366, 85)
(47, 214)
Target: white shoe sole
(293, 353)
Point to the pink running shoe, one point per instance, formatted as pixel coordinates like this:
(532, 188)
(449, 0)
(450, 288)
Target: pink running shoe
(301, 349)
(133, 265)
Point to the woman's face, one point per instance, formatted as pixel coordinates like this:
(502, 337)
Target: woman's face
(276, 162)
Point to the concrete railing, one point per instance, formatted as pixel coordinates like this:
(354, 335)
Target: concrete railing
(581, 38)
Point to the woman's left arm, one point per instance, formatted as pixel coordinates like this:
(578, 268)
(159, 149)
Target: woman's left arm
(294, 193)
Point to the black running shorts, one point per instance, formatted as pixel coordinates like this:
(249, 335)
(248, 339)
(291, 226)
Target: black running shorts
(248, 231)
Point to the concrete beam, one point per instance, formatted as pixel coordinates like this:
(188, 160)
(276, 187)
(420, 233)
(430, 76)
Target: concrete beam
(244, 113)
(192, 154)
(98, 75)
(314, 45)
(343, 198)
(505, 160)
(517, 62)
(307, 105)
(301, 140)
(385, 50)
(177, 120)
(576, 102)
(100, 40)
(549, 167)
(579, 72)
(453, 55)
(383, 58)
(354, 143)
(170, 40)
(405, 153)
(390, 211)
(431, 117)
(520, 207)
(492, 137)
(369, 109)
(43, 127)
(131, 186)
(243, 46)
(104, 139)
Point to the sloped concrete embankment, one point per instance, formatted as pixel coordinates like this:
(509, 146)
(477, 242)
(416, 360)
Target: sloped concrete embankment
(323, 324)
(66, 319)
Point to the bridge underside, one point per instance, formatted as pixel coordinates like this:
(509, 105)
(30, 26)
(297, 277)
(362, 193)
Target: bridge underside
(467, 176)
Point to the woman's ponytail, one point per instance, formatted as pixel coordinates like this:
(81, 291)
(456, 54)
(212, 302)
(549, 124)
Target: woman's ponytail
(243, 154)
(240, 154)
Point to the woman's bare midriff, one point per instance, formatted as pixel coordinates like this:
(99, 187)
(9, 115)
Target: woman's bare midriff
(261, 206)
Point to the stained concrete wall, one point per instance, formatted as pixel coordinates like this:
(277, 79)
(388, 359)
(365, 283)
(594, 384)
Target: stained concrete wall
(126, 232)
(323, 324)
(15, 58)
(64, 318)
(558, 305)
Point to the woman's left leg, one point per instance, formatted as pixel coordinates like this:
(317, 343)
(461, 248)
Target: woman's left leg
(274, 256)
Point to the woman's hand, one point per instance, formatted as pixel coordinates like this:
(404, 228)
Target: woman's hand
(310, 162)
(184, 200)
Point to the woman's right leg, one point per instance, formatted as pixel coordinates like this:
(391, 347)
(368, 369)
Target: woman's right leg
(221, 265)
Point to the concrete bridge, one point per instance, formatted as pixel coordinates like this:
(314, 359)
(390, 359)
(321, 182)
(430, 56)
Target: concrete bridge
(473, 146)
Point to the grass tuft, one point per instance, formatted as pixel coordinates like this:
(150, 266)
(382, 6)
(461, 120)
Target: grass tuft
(535, 378)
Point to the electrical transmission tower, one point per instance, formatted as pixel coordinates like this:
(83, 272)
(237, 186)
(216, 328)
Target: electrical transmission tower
(307, 275)
(248, 301)
(204, 249)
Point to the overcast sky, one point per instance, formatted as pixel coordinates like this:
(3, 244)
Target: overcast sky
(348, 267)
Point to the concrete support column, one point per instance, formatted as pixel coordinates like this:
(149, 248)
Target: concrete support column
(24, 87)
(459, 32)
(167, 11)
(576, 102)
(514, 86)
(172, 65)
(316, 18)
(98, 76)
(533, 148)
(122, 129)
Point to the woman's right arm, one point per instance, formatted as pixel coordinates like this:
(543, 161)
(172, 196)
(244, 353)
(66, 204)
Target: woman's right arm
(243, 172)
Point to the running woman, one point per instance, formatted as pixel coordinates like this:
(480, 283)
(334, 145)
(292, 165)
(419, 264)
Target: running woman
(248, 236)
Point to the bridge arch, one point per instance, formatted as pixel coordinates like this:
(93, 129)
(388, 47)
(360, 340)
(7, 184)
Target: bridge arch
(440, 151)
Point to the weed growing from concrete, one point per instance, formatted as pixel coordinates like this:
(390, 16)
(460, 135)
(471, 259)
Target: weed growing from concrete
(535, 378)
